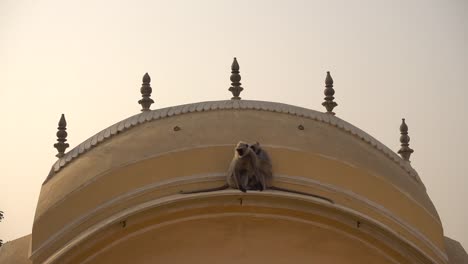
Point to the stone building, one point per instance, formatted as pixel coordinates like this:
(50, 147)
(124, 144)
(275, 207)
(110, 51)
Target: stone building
(129, 193)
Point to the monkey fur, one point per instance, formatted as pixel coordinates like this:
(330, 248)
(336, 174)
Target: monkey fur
(243, 168)
(263, 169)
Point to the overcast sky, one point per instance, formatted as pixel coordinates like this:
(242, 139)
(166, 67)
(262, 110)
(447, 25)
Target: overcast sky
(389, 59)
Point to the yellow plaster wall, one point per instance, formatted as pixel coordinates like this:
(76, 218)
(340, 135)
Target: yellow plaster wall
(301, 164)
(241, 240)
(227, 128)
(237, 239)
(16, 251)
(153, 152)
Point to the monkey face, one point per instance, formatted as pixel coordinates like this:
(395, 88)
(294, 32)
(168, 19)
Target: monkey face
(256, 148)
(242, 148)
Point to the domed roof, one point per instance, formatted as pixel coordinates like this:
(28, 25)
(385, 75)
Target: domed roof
(148, 116)
(154, 155)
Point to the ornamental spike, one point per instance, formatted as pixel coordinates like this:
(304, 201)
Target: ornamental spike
(329, 104)
(235, 88)
(405, 151)
(62, 134)
(146, 91)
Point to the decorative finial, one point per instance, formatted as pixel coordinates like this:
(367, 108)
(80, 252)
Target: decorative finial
(329, 92)
(61, 137)
(405, 151)
(235, 88)
(146, 90)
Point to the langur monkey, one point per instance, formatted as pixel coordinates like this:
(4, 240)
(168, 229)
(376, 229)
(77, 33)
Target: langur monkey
(251, 169)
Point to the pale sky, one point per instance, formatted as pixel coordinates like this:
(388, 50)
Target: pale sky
(389, 59)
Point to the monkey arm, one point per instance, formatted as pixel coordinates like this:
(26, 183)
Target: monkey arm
(302, 193)
(224, 187)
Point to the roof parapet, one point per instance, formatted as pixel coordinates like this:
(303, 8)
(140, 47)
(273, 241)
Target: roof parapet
(149, 116)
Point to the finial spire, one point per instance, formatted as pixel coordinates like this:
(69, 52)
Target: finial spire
(405, 151)
(61, 137)
(146, 90)
(329, 92)
(235, 88)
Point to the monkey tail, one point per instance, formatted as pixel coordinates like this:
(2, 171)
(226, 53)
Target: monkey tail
(224, 187)
(302, 193)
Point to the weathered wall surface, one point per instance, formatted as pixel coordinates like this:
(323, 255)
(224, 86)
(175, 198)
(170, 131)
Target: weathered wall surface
(455, 252)
(240, 239)
(154, 162)
(16, 251)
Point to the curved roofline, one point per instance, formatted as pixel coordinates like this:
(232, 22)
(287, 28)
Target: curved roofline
(148, 116)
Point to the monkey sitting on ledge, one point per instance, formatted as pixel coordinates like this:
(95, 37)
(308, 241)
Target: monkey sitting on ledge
(251, 169)
(243, 168)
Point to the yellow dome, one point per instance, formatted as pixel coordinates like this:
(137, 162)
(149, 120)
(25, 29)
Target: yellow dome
(121, 188)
